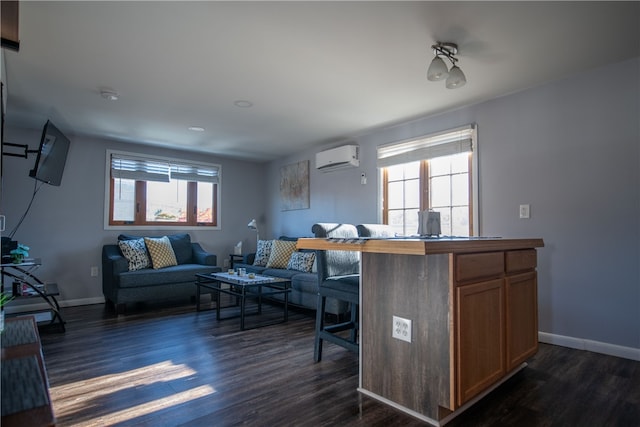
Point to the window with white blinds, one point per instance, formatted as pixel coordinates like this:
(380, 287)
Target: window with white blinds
(155, 191)
(130, 166)
(434, 172)
(454, 141)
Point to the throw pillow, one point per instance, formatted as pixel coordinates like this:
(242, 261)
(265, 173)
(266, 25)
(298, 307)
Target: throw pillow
(280, 253)
(135, 252)
(263, 253)
(161, 252)
(301, 261)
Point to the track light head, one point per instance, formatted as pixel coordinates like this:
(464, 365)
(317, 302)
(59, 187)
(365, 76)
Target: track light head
(456, 78)
(438, 70)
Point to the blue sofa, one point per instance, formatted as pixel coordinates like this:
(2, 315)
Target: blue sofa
(121, 286)
(304, 286)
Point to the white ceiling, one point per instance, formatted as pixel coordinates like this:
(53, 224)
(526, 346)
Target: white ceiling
(316, 72)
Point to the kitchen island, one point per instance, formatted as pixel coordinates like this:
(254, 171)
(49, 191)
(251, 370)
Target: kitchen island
(468, 318)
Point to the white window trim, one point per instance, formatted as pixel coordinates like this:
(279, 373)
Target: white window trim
(107, 181)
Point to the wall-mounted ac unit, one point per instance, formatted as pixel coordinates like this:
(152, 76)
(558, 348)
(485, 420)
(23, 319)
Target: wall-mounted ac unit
(338, 158)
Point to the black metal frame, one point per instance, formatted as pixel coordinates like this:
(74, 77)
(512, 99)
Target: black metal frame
(48, 296)
(242, 291)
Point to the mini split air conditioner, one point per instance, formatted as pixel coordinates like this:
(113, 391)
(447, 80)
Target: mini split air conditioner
(338, 158)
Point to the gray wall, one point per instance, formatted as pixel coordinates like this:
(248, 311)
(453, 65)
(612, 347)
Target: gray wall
(65, 226)
(570, 149)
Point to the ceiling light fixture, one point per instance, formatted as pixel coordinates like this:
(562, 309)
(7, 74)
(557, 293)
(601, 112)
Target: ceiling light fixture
(196, 128)
(109, 95)
(438, 69)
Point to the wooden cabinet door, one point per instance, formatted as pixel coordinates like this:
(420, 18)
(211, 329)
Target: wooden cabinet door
(9, 12)
(522, 318)
(480, 337)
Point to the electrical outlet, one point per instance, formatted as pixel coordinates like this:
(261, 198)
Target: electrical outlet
(94, 271)
(401, 329)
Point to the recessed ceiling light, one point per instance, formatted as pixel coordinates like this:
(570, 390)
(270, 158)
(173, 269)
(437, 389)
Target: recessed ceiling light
(109, 95)
(196, 128)
(243, 104)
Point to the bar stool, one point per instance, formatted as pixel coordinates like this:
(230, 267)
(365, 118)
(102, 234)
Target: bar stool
(339, 278)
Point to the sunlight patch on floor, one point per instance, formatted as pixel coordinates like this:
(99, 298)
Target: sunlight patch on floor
(147, 408)
(82, 396)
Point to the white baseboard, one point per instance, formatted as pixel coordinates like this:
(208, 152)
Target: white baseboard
(589, 345)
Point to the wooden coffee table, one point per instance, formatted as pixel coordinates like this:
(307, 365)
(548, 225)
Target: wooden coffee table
(243, 287)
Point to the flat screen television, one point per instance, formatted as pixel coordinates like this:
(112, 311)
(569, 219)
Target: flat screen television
(52, 155)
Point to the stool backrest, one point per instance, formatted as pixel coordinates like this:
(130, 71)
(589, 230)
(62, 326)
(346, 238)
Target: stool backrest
(336, 263)
(375, 230)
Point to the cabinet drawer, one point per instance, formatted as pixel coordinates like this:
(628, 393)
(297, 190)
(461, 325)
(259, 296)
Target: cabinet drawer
(480, 265)
(521, 260)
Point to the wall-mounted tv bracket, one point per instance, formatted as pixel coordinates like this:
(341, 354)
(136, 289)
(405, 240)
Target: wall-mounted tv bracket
(23, 146)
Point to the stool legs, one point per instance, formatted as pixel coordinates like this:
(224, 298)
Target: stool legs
(317, 349)
(329, 332)
(354, 321)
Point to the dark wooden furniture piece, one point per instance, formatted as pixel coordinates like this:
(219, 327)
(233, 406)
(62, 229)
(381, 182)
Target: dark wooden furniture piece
(244, 287)
(25, 388)
(473, 307)
(9, 11)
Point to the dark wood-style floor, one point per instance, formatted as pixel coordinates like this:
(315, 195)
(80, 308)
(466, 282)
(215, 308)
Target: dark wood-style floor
(171, 366)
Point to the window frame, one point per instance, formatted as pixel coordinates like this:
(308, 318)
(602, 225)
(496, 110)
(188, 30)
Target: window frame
(140, 222)
(474, 223)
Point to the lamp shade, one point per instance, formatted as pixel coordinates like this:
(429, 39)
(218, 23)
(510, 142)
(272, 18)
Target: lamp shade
(437, 70)
(456, 78)
(253, 224)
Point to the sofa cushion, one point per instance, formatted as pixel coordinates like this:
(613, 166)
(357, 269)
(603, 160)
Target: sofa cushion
(281, 251)
(279, 272)
(161, 252)
(181, 245)
(184, 273)
(262, 253)
(301, 261)
(135, 252)
(249, 267)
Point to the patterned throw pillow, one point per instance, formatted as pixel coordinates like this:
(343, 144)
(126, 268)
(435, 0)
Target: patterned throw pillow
(263, 253)
(281, 251)
(161, 252)
(301, 261)
(136, 253)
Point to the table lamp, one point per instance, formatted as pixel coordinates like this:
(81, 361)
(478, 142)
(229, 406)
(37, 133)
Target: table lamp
(253, 225)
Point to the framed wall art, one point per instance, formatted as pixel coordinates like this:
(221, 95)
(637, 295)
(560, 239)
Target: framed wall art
(294, 186)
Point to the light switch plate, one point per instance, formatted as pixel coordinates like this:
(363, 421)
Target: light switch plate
(524, 211)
